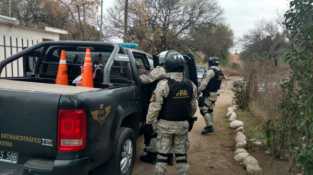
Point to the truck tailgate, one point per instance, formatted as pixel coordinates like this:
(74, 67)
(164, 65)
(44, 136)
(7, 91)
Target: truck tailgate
(28, 122)
(28, 117)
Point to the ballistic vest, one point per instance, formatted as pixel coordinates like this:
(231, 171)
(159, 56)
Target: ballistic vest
(215, 83)
(177, 106)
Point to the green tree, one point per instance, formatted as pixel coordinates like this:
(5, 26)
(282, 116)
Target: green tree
(9, 8)
(211, 39)
(41, 13)
(82, 18)
(76, 16)
(161, 24)
(296, 125)
(266, 41)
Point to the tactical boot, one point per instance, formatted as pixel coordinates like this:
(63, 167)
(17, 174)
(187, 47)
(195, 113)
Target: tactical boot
(170, 160)
(207, 130)
(149, 157)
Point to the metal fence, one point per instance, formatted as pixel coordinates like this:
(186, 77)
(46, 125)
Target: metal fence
(10, 45)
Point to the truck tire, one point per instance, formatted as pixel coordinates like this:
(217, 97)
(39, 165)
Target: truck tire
(125, 136)
(125, 152)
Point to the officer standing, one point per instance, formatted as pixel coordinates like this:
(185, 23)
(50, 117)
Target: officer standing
(173, 104)
(209, 87)
(151, 78)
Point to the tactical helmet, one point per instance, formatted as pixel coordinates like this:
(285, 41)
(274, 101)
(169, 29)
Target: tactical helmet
(172, 61)
(213, 61)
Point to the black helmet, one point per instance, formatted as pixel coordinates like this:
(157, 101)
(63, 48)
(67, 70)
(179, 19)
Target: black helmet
(172, 61)
(213, 61)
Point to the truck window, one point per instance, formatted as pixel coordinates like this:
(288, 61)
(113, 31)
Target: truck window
(30, 61)
(151, 63)
(141, 61)
(121, 72)
(75, 59)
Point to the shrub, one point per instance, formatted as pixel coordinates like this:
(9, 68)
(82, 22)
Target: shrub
(295, 127)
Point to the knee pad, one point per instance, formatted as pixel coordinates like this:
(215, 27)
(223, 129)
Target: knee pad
(162, 158)
(204, 109)
(181, 158)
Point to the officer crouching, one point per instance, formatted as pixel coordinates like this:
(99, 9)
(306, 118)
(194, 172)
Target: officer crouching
(172, 106)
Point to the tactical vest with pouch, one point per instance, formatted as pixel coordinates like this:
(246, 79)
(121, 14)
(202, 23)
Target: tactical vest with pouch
(215, 83)
(177, 106)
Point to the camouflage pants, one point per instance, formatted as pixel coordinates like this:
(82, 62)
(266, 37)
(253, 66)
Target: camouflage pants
(206, 108)
(172, 137)
(152, 146)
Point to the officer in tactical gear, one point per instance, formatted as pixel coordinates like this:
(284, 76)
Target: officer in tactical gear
(208, 89)
(171, 108)
(150, 79)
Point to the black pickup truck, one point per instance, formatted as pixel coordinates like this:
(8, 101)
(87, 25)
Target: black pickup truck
(49, 129)
(69, 130)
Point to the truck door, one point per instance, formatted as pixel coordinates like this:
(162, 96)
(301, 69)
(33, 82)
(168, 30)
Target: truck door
(143, 67)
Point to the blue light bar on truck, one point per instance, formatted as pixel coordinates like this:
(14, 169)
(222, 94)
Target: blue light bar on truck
(129, 45)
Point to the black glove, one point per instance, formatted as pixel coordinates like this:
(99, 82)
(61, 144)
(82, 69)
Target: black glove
(191, 122)
(148, 133)
(148, 128)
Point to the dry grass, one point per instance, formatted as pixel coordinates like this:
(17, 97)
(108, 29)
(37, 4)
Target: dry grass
(264, 87)
(228, 71)
(253, 125)
(233, 65)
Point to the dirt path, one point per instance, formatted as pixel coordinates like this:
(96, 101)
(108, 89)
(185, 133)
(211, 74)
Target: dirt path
(208, 155)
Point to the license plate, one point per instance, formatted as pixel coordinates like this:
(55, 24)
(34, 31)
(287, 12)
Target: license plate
(8, 157)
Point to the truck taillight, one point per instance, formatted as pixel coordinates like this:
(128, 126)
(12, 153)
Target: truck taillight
(72, 130)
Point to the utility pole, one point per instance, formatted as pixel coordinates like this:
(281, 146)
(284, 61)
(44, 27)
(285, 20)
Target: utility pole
(10, 8)
(101, 19)
(125, 20)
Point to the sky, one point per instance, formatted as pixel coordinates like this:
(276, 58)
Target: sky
(243, 15)
(107, 4)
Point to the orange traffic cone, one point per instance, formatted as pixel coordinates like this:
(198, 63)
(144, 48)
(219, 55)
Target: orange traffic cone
(62, 76)
(87, 72)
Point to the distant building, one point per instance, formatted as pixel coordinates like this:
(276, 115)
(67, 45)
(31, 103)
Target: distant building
(14, 37)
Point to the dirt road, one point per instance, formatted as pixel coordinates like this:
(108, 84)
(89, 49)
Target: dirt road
(208, 155)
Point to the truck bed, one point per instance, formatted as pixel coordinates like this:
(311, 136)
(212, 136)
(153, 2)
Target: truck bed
(29, 117)
(12, 85)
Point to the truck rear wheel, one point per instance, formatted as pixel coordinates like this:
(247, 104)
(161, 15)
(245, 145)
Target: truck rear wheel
(122, 162)
(124, 156)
